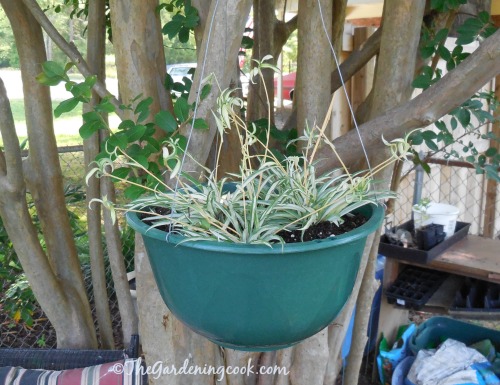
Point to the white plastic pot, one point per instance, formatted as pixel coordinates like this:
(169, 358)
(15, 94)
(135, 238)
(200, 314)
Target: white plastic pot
(437, 213)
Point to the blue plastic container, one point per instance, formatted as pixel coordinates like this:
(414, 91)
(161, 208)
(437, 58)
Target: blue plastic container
(436, 330)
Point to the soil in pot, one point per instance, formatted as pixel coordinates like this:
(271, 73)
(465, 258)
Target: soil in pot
(320, 230)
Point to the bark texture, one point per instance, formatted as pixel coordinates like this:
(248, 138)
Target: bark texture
(70, 50)
(91, 147)
(425, 109)
(222, 34)
(392, 86)
(56, 277)
(314, 63)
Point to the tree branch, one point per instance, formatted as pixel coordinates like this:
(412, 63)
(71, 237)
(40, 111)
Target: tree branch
(356, 60)
(71, 51)
(450, 92)
(282, 31)
(96, 32)
(10, 161)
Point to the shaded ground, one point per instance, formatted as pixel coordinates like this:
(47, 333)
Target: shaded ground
(41, 334)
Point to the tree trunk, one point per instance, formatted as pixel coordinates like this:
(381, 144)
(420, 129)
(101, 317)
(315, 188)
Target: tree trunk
(60, 290)
(91, 147)
(314, 63)
(222, 34)
(260, 91)
(392, 86)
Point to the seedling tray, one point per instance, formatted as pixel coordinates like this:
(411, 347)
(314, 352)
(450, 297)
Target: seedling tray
(421, 256)
(414, 286)
(477, 296)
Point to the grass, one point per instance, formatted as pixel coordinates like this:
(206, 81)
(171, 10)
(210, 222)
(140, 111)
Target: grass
(17, 106)
(65, 127)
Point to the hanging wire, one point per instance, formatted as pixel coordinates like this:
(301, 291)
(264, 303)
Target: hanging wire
(195, 111)
(198, 93)
(351, 109)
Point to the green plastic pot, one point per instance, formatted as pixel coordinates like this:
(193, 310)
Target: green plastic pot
(253, 297)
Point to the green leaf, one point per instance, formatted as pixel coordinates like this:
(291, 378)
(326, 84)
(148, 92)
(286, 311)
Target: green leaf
(181, 109)
(121, 172)
(184, 35)
(135, 133)
(143, 109)
(88, 128)
(431, 144)
(453, 123)
(105, 106)
(441, 35)
(126, 124)
(205, 91)
(247, 42)
(427, 52)
(166, 121)
(421, 81)
(142, 160)
(450, 65)
(437, 4)
(492, 151)
(169, 82)
(200, 124)
(119, 140)
(416, 138)
(133, 192)
(53, 69)
(47, 81)
(444, 53)
(65, 106)
(484, 17)
(463, 117)
(172, 28)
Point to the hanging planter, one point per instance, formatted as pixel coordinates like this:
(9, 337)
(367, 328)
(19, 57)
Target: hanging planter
(218, 249)
(256, 297)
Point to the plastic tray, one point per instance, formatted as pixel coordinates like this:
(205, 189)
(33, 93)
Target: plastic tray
(421, 256)
(414, 286)
(477, 296)
(436, 330)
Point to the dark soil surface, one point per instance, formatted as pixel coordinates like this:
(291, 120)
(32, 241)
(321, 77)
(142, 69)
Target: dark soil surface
(324, 230)
(321, 230)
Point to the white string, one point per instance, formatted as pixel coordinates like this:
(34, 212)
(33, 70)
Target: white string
(351, 109)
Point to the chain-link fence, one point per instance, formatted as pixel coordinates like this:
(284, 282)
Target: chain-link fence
(452, 183)
(22, 323)
(455, 183)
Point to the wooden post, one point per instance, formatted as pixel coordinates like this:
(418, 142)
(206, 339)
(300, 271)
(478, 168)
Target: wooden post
(362, 82)
(491, 185)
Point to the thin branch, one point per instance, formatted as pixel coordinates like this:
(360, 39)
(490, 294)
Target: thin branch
(71, 51)
(11, 161)
(356, 60)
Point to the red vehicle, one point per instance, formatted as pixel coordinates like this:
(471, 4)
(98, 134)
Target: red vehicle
(288, 84)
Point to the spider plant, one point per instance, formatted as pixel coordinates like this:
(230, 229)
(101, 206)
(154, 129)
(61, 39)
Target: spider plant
(268, 195)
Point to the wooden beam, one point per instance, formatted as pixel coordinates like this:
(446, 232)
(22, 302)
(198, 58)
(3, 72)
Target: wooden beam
(367, 22)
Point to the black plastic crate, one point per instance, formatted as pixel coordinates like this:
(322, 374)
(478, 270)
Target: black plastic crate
(414, 286)
(477, 296)
(420, 256)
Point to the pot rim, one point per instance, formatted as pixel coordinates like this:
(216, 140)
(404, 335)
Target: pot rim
(375, 220)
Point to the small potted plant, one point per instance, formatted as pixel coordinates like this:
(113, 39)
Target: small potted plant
(252, 260)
